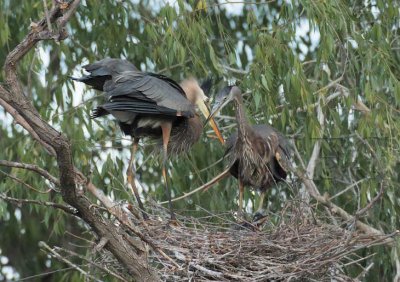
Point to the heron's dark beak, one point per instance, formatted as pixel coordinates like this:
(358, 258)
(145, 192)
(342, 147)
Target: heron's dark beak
(204, 109)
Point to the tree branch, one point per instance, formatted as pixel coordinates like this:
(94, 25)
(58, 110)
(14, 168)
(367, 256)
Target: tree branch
(67, 209)
(311, 188)
(12, 94)
(25, 184)
(32, 167)
(70, 263)
(203, 187)
(103, 268)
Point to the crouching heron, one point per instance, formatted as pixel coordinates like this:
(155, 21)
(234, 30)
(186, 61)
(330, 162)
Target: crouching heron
(258, 155)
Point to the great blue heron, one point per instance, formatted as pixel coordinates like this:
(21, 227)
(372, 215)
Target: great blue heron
(149, 105)
(258, 155)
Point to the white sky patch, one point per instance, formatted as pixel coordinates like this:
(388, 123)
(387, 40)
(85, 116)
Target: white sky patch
(18, 214)
(234, 9)
(353, 43)
(45, 59)
(375, 12)
(6, 121)
(302, 30)
(10, 273)
(4, 260)
(239, 50)
(79, 93)
(249, 53)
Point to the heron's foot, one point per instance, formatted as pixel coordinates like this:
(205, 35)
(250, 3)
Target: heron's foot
(245, 225)
(256, 224)
(145, 216)
(259, 218)
(137, 212)
(173, 222)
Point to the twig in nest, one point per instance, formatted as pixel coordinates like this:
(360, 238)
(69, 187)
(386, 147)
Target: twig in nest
(293, 248)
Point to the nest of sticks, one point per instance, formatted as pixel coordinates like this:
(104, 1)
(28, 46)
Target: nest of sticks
(290, 246)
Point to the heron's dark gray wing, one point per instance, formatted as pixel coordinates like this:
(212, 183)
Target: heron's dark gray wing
(230, 143)
(103, 70)
(152, 88)
(266, 130)
(280, 163)
(130, 105)
(170, 81)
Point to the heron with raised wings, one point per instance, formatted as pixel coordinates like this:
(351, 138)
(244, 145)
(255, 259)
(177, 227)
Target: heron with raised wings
(150, 105)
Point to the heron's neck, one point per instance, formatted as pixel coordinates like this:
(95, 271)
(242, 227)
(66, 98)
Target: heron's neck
(241, 116)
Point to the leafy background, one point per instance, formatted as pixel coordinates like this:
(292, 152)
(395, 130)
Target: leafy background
(288, 55)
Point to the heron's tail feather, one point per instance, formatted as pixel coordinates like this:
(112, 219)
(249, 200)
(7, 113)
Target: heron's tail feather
(98, 112)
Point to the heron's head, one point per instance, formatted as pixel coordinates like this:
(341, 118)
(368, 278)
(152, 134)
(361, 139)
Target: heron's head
(193, 91)
(195, 94)
(226, 95)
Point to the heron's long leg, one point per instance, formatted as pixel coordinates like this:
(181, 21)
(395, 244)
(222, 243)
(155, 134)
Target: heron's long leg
(166, 132)
(241, 191)
(261, 203)
(131, 174)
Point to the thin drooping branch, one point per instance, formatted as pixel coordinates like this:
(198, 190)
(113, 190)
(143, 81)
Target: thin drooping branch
(65, 260)
(46, 11)
(381, 176)
(317, 146)
(311, 188)
(32, 167)
(99, 266)
(373, 201)
(21, 121)
(65, 208)
(310, 169)
(25, 184)
(203, 187)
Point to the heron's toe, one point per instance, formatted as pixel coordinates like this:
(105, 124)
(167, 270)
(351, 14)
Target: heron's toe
(259, 214)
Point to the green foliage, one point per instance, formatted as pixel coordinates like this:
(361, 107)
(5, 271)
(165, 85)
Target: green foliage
(285, 54)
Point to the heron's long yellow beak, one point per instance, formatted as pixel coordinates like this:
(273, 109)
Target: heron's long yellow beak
(204, 110)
